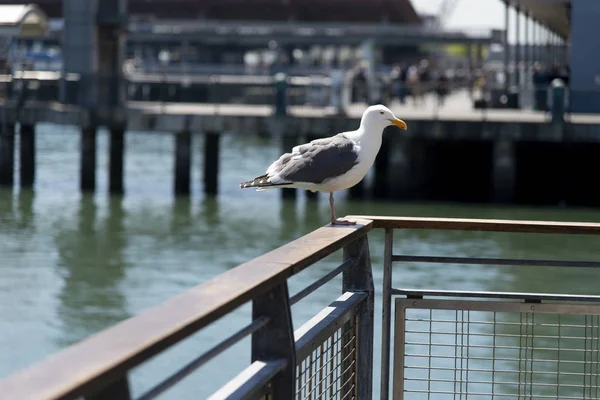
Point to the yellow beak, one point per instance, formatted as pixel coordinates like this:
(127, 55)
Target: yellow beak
(399, 123)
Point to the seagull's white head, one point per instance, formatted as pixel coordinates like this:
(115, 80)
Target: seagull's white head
(379, 117)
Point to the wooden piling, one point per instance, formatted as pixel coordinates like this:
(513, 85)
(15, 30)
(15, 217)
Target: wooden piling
(183, 159)
(27, 156)
(211, 163)
(116, 158)
(7, 155)
(87, 177)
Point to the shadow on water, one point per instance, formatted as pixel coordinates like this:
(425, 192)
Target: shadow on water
(6, 207)
(209, 212)
(288, 215)
(181, 212)
(93, 265)
(17, 211)
(25, 201)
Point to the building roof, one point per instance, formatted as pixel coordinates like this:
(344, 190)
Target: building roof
(398, 11)
(554, 14)
(395, 11)
(22, 20)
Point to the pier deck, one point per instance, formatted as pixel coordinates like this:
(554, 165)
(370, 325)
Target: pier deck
(171, 116)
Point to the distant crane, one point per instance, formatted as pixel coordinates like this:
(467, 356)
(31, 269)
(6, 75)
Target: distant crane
(445, 11)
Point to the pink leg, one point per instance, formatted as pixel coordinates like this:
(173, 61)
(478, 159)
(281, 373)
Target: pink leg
(334, 220)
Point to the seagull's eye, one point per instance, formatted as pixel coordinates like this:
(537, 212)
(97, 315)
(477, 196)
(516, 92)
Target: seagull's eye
(381, 112)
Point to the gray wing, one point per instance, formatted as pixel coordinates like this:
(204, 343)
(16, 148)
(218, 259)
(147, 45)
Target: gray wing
(318, 160)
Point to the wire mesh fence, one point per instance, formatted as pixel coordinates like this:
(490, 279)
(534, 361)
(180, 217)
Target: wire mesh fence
(329, 371)
(454, 349)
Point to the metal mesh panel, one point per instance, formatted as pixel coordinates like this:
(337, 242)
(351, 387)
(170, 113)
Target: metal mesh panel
(329, 371)
(452, 349)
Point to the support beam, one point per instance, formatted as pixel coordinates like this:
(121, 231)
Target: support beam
(183, 161)
(527, 44)
(7, 155)
(506, 45)
(87, 177)
(94, 47)
(517, 79)
(275, 341)
(27, 156)
(535, 40)
(359, 278)
(116, 160)
(470, 56)
(211, 163)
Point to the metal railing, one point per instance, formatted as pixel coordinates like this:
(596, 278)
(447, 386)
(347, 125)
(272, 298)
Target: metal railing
(491, 344)
(328, 357)
(446, 342)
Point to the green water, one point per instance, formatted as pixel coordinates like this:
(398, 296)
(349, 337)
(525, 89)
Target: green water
(72, 265)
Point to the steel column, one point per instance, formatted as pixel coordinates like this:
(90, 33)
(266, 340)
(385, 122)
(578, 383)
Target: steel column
(506, 45)
(517, 69)
(386, 314)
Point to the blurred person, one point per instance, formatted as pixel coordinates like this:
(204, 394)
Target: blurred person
(540, 83)
(398, 77)
(360, 84)
(442, 89)
(413, 83)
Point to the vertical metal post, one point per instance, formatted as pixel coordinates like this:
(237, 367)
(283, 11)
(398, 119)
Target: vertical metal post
(557, 47)
(118, 390)
(359, 278)
(527, 44)
(386, 314)
(534, 41)
(553, 48)
(518, 48)
(506, 45)
(547, 48)
(275, 341)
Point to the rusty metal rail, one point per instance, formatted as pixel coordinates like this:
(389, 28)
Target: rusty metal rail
(97, 368)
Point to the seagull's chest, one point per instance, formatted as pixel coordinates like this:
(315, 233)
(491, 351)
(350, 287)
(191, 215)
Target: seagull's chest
(355, 174)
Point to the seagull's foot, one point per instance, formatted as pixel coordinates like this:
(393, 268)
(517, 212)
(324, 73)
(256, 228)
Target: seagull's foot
(342, 222)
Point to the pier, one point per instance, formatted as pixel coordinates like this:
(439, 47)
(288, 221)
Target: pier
(437, 331)
(454, 152)
(501, 153)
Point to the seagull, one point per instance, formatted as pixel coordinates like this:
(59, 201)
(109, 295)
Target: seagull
(331, 164)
